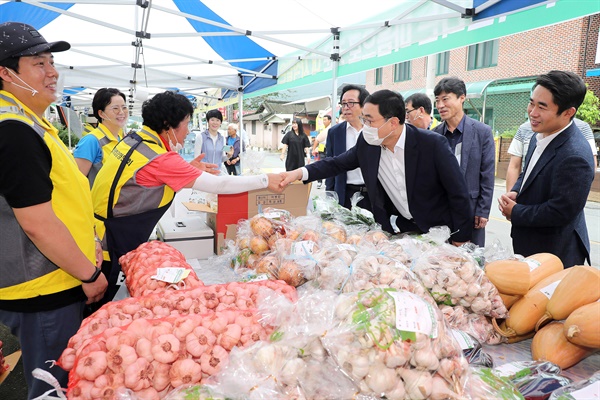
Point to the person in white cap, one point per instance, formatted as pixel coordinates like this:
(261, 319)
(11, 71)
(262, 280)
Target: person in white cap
(49, 261)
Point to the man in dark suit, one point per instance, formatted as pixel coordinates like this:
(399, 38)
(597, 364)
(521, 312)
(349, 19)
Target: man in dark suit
(413, 179)
(473, 145)
(342, 137)
(546, 203)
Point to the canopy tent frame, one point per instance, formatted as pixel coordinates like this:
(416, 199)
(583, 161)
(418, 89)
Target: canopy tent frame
(449, 14)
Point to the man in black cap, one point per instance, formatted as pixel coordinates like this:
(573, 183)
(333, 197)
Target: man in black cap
(49, 261)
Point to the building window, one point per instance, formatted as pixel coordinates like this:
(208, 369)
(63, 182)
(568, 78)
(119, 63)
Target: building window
(378, 76)
(442, 63)
(402, 71)
(483, 55)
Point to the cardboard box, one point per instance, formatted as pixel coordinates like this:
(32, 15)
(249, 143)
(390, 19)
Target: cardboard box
(234, 207)
(190, 235)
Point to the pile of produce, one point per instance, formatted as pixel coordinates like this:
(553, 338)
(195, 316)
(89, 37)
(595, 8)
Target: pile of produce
(376, 343)
(141, 265)
(199, 301)
(374, 317)
(151, 357)
(574, 300)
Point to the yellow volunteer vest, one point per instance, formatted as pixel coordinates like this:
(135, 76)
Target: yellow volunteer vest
(71, 201)
(106, 139)
(107, 142)
(130, 198)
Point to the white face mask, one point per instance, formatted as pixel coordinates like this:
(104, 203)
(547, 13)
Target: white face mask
(32, 90)
(371, 135)
(175, 147)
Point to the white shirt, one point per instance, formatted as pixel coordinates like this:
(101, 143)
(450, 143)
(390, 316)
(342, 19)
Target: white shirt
(540, 146)
(392, 175)
(353, 177)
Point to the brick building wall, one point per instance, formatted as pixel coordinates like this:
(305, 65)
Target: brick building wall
(524, 54)
(589, 42)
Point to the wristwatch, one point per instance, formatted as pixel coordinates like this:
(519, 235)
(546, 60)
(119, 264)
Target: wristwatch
(94, 277)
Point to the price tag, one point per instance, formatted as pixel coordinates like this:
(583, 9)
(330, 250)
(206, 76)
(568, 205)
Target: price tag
(549, 290)
(463, 339)
(507, 370)
(303, 248)
(171, 275)
(413, 314)
(272, 215)
(533, 264)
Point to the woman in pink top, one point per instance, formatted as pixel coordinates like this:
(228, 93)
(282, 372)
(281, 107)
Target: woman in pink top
(140, 177)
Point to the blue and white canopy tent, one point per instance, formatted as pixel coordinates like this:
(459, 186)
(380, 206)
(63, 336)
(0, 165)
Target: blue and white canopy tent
(215, 49)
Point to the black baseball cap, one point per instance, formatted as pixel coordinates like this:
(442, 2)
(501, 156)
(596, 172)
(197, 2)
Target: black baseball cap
(18, 39)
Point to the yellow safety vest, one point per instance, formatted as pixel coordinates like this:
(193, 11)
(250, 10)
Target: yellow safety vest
(130, 198)
(107, 142)
(31, 273)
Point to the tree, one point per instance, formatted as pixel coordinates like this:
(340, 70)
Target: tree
(589, 110)
(63, 134)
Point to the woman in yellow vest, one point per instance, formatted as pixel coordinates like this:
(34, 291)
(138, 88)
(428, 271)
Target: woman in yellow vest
(141, 175)
(111, 112)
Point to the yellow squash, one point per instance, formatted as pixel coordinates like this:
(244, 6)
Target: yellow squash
(579, 287)
(582, 327)
(517, 277)
(509, 299)
(550, 344)
(526, 311)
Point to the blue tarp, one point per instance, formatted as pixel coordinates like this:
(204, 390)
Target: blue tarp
(228, 47)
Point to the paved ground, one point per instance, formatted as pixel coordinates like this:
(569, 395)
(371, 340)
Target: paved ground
(498, 230)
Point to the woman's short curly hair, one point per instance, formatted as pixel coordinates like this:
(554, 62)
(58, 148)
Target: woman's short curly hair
(166, 110)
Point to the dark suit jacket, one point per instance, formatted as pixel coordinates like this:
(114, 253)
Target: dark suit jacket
(436, 189)
(548, 216)
(478, 167)
(336, 145)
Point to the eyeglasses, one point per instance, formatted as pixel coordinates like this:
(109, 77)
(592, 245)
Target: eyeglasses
(409, 111)
(368, 123)
(117, 109)
(350, 104)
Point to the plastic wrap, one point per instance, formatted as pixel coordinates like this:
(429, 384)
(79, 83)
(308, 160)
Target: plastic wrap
(376, 270)
(580, 390)
(294, 363)
(392, 343)
(328, 208)
(478, 326)
(151, 357)
(194, 392)
(472, 349)
(519, 369)
(140, 267)
(454, 278)
(539, 386)
(485, 385)
(201, 300)
(253, 161)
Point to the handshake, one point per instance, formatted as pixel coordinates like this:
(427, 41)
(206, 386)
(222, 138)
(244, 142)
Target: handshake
(278, 182)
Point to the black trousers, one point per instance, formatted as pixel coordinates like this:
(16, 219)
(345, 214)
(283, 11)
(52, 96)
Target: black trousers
(365, 203)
